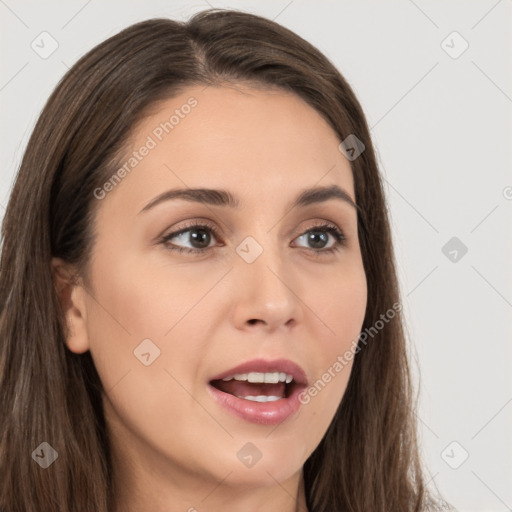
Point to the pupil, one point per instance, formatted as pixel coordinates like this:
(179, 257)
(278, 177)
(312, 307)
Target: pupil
(201, 237)
(313, 238)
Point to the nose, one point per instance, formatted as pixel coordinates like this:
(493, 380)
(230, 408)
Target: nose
(265, 294)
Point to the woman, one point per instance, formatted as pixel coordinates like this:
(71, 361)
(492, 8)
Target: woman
(200, 309)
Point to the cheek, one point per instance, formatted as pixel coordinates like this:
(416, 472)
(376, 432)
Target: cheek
(341, 306)
(134, 312)
(148, 299)
(145, 340)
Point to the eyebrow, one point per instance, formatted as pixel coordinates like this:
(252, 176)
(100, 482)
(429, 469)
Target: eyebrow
(219, 197)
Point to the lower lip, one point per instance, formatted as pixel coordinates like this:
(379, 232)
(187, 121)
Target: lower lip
(264, 413)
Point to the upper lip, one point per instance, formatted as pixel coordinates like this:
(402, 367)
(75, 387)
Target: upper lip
(266, 366)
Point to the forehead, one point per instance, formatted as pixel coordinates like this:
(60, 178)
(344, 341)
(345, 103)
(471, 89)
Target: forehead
(259, 143)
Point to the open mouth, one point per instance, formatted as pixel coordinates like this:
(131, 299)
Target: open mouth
(260, 391)
(256, 386)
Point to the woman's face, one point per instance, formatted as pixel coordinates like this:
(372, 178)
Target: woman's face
(267, 286)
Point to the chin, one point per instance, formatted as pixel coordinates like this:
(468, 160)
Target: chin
(266, 467)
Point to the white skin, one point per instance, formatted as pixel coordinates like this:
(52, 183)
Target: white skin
(175, 448)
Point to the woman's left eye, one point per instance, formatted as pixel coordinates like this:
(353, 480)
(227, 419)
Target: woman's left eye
(318, 235)
(200, 236)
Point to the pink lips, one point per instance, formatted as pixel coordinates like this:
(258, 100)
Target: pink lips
(266, 413)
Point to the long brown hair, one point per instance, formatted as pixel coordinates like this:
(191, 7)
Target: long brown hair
(368, 460)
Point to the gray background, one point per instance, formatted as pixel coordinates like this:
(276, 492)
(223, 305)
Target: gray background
(441, 123)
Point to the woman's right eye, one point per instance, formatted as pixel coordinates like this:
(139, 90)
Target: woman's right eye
(200, 234)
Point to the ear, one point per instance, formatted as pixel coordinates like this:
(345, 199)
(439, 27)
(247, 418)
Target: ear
(72, 297)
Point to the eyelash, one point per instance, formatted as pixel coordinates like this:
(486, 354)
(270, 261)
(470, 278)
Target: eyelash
(327, 227)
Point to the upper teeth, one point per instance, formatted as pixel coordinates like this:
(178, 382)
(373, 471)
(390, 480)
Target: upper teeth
(270, 377)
